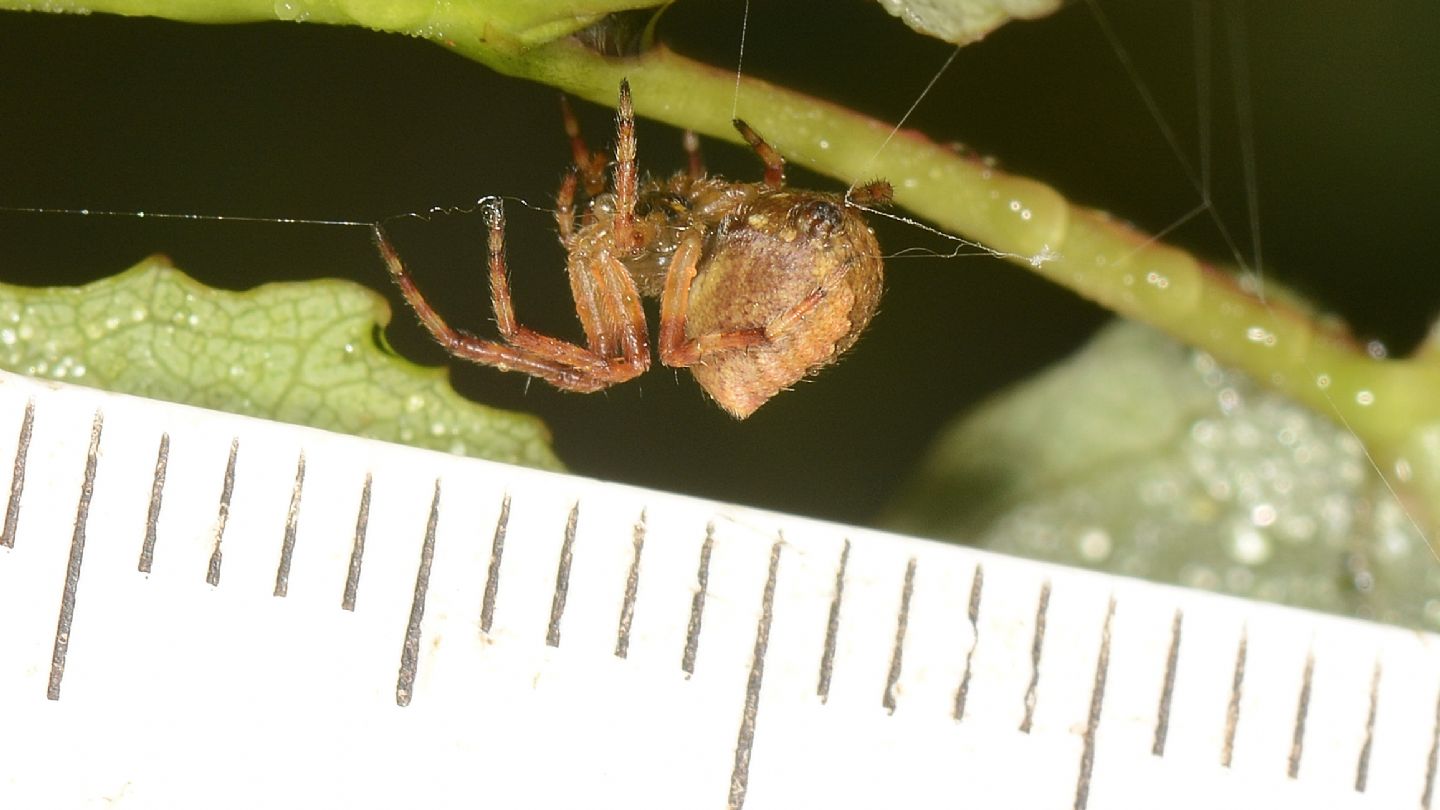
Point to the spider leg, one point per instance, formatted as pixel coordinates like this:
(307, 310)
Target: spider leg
(774, 163)
(589, 165)
(875, 192)
(610, 321)
(696, 165)
(500, 301)
(616, 330)
(565, 210)
(606, 298)
(463, 344)
(678, 350)
(627, 180)
(606, 301)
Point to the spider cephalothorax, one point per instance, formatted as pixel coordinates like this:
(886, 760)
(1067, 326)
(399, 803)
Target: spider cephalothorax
(759, 285)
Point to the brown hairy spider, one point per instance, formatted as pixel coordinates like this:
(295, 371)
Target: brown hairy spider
(759, 285)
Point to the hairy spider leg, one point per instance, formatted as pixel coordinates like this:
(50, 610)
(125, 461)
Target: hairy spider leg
(565, 210)
(589, 165)
(695, 166)
(875, 192)
(503, 305)
(678, 350)
(606, 301)
(627, 178)
(774, 163)
(463, 344)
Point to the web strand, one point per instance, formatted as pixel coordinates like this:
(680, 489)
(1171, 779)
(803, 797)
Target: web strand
(426, 215)
(1239, 67)
(906, 117)
(92, 212)
(1245, 122)
(740, 63)
(1203, 73)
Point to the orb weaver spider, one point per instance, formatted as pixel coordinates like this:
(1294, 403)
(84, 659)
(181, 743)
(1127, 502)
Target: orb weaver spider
(759, 285)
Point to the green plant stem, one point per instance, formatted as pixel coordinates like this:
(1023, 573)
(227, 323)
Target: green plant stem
(1277, 341)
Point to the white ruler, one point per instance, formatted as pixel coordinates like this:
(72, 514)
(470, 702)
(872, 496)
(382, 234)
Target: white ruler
(205, 610)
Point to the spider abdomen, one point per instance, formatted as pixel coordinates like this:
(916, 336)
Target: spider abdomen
(801, 265)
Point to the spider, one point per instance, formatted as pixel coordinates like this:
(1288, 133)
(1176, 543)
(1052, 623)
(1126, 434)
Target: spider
(759, 285)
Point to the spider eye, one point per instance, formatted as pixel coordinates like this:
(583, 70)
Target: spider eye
(819, 218)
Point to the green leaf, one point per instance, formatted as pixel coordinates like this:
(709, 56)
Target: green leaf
(1143, 457)
(310, 353)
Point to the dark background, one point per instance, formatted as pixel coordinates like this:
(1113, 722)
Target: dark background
(286, 120)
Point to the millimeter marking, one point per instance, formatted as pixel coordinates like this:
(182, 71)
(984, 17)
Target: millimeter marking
(410, 650)
(212, 571)
(492, 574)
(832, 626)
(897, 654)
(1297, 744)
(152, 515)
(1232, 712)
(17, 479)
(745, 742)
(697, 604)
(287, 544)
(1037, 648)
(632, 587)
(1362, 768)
(562, 578)
(357, 547)
(1097, 702)
(72, 567)
(1167, 692)
(962, 693)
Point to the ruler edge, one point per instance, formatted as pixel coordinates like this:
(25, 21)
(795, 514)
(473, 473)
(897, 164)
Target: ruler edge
(1180, 595)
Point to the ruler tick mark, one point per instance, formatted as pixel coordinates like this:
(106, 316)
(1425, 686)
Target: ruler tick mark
(892, 679)
(1167, 691)
(832, 626)
(562, 578)
(1430, 762)
(697, 603)
(410, 650)
(357, 548)
(632, 587)
(212, 571)
(1037, 648)
(287, 546)
(745, 742)
(973, 613)
(17, 478)
(1297, 744)
(1097, 702)
(1362, 768)
(1232, 712)
(72, 566)
(152, 515)
(492, 576)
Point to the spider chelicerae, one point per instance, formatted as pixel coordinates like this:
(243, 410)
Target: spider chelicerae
(759, 285)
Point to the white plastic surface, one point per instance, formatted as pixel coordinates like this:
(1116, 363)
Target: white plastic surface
(176, 692)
